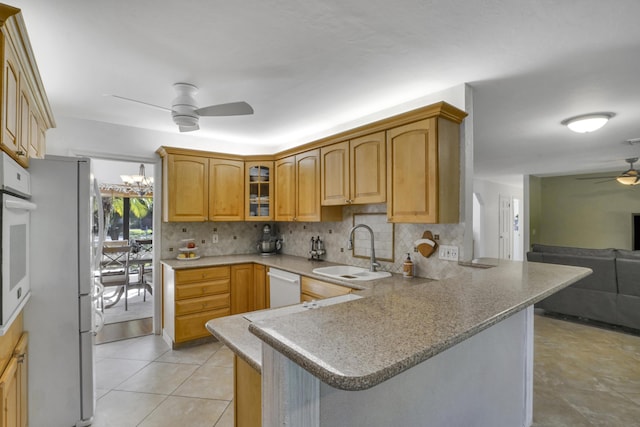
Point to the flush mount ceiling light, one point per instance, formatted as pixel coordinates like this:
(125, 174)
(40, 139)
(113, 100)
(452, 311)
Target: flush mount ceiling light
(587, 122)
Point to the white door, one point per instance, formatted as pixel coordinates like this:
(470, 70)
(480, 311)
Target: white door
(517, 250)
(505, 227)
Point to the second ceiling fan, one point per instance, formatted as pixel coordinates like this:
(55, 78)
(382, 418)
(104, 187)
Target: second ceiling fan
(185, 112)
(630, 176)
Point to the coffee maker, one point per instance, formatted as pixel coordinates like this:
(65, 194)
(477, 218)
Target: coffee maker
(269, 244)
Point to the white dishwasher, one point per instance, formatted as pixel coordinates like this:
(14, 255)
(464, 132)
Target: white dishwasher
(284, 288)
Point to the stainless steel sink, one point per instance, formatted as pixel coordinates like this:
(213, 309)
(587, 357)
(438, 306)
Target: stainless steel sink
(350, 273)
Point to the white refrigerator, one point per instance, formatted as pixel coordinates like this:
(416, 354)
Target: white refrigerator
(60, 317)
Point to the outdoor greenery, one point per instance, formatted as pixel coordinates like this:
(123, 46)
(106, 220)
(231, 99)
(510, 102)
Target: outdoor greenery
(140, 216)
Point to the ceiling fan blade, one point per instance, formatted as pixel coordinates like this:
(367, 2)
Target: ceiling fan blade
(231, 109)
(188, 128)
(598, 177)
(140, 102)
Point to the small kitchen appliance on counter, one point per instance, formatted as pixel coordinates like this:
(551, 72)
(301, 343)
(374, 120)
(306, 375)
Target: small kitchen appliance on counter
(269, 244)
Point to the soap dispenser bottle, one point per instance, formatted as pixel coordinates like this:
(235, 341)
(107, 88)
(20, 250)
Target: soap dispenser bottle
(407, 267)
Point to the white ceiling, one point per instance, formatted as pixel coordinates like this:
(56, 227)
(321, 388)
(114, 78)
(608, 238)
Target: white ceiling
(307, 67)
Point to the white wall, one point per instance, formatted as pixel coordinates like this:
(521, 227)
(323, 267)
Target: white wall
(488, 194)
(105, 140)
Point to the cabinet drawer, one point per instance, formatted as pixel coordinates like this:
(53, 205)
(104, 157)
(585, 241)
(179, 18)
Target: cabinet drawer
(191, 326)
(202, 274)
(201, 289)
(320, 289)
(197, 305)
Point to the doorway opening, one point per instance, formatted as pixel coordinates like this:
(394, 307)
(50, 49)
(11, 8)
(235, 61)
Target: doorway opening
(636, 231)
(127, 211)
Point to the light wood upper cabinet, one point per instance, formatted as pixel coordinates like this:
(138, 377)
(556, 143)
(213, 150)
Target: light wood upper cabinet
(259, 199)
(226, 190)
(285, 176)
(354, 172)
(10, 100)
(423, 165)
(199, 188)
(186, 188)
(308, 186)
(335, 174)
(22, 96)
(298, 189)
(36, 141)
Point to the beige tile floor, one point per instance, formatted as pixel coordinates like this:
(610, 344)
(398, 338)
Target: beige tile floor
(584, 376)
(141, 382)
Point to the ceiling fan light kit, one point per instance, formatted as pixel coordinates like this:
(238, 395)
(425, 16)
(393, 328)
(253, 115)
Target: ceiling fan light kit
(587, 122)
(631, 176)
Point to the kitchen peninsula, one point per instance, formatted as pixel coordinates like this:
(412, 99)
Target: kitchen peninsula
(410, 352)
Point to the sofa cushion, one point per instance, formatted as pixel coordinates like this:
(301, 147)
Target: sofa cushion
(628, 311)
(625, 254)
(628, 271)
(583, 303)
(567, 250)
(534, 256)
(604, 270)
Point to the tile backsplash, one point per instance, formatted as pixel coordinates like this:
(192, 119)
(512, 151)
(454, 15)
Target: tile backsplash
(242, 238)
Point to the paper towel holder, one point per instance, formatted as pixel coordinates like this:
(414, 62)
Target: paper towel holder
(426, 245)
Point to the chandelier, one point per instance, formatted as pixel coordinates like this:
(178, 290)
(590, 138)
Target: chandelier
(139, 184)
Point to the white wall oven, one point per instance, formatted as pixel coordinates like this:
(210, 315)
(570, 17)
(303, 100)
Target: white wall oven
(15, 189)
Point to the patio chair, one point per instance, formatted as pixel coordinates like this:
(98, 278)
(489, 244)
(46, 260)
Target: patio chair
(114, 273)
(142, 265)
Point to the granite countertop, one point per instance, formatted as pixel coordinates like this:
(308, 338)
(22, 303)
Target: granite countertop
(400, 323)
(233, 331)
(294, 264)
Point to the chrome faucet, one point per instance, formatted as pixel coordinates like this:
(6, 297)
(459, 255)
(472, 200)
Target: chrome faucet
(374, 263)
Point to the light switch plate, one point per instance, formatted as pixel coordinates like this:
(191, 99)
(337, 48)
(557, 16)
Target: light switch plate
(448, 253)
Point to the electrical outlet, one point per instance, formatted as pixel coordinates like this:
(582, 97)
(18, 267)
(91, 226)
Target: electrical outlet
(214, 238)
(448, 253)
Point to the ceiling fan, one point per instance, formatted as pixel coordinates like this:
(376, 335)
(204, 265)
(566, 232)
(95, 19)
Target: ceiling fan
(185, 112)
(629, 177)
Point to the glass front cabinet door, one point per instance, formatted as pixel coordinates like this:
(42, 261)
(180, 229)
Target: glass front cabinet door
(259, 181)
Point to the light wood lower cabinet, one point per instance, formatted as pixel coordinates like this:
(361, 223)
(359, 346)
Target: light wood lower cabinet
(242, 288)
(248, 288)
(260, 291)
(247, 399)
(313, 289)
(13, 387)
(192, 297)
